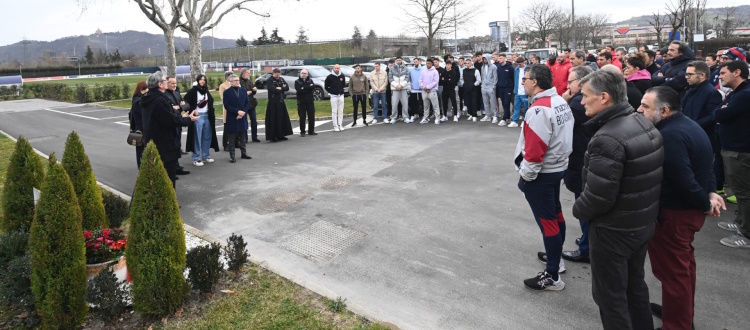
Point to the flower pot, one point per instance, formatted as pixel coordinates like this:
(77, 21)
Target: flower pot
(119, 267)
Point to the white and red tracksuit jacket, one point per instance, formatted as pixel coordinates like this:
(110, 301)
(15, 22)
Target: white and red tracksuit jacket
(546, 140)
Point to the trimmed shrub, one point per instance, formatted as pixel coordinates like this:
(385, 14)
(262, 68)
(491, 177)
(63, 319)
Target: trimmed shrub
(82, 93)
(236, 252)
(108, 295)
(111, 92)
(115, 208)
(15, 288)
(126, 91)
(12, 245)
(205, 267)
(58, 271)
(97, 93)
(156, 245)
(78, 167)
(25, 172)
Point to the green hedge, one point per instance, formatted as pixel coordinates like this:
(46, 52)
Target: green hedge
(58, 271)
(156, 245)
(24, 173)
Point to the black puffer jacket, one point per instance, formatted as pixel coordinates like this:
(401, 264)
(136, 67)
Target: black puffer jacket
(622, 170)
(160, 123)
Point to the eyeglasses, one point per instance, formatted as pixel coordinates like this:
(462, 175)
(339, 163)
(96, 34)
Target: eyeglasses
(523, 80)
(690, 74)
(571, 81)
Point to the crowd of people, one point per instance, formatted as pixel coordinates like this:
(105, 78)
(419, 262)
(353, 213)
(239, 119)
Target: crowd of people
(647, 142)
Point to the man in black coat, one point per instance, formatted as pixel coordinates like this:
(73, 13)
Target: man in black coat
(160, 123)
(687, 195)
(672, 74)
(622, 177)
(449, 78)
(305, 102)
(179, 106)
(700, 100)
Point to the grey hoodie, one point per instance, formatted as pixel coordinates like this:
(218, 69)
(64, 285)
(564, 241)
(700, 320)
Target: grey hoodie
(489, 74)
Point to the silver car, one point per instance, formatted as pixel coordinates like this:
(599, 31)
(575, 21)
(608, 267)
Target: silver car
(317, 73)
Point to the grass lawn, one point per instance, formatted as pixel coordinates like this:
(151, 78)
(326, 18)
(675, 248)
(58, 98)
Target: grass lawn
(264, 300)
(322, 108)
(130, 80)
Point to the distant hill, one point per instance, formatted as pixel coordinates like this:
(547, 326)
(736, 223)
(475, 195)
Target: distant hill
(134, 42)
(742, 11)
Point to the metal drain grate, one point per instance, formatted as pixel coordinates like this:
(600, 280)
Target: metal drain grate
(322, 241)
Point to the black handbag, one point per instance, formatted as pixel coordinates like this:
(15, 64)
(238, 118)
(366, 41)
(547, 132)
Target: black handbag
(135, 139)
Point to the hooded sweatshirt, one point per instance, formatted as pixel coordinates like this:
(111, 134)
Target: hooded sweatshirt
(560, 74)
(489, 74)
(414, 75)
(358, 84)
(335, 83)
(429, 79)
(641, 79)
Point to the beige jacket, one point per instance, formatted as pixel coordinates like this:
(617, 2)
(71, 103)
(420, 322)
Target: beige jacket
(222, 88)
(378, 80)
(358, 84)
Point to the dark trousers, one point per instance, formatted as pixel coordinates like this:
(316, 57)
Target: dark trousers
(253, 114)
(225, 139)
(449, 94)
(583, 241)
(238, 140)
(470, 100)
(171, 167)
(306, 112)
(388, 95)
(543, 195)
(361, 99)
(673, 263)
(505, 94)
(416, 106)
(478, 96)
(737, 169)
(718, 161)
(138, 155)
(460, 98)
(617, 259)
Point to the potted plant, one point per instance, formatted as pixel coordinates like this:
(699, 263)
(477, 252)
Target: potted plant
(105, 247)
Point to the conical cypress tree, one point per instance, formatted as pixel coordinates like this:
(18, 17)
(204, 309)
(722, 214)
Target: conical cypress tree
(156, 244)
(25, 171)
(77, 164)
(58, 254)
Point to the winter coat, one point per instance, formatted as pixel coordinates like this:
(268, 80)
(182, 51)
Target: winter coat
(734, 119)
(191, 98)
(581, 139)
(641, 79)
(634, 95)
(505, 74)
(304, 88)
(622, 170)
(335, 83)
(687, 157)
(674, 72)
(136, 115)
(560, 73)
(546, 138)
(160, 123)
(378, 80)
(358, 84)
(699, 103)
(249, 85)
(399, 76)
(235, 100)
(175, 97)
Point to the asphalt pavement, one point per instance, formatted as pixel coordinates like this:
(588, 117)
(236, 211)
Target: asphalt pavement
(418, 225)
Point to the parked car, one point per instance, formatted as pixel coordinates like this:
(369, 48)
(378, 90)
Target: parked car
(260, 83)
(317, 73)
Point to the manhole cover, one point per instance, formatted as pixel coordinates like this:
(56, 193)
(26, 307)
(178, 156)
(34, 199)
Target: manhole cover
(322, 241)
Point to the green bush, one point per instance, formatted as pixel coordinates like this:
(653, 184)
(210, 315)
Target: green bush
(12, 245)
(78, 167)
(115, 208)
(58, 271)
(236, 252)
(15, 288)
(205, 268)
(82, 93)
(111, 92)
(156, 245)
(126, 91)
(108, 295)
(98, 93)
(24, 173)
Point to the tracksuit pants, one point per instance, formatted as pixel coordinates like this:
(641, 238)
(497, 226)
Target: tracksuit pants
(470, 100)
(449, 95)
(337, 110)
(490, 102)
(505, 94)
(416, 107)
(431, 100)
(360, 99)
(399, 96)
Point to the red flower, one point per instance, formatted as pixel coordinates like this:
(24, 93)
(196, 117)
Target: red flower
(89, 244)
(87, 234)
(100, 239)
(97, 245)
(105, 232)
(108, 242)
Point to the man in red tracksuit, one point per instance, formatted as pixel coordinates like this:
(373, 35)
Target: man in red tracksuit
(560, 72)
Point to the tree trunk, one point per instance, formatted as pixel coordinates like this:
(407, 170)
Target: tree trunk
(195, 54)
(170, 53)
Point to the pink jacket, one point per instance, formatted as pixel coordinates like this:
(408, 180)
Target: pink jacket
(429, 79)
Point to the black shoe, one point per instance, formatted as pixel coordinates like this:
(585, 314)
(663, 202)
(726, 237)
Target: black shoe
(578, 241)
(283, 138)
(256, 140)
(246, 157)
(365, 122)
(544, 282)
(354, 123)
(575, 256)
(181, 171)
(183, 152)
(232, 160)
(542, 256)
(302, 134)
(656, 310)
(313, 133)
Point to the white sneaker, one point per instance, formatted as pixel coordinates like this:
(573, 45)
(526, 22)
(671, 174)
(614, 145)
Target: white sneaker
(465, 109)
(494, 120)
(374, 121)
(458, 114)
(437, 121)
(198, 163)
(411, 119)
(474, 119)
(386, 121)
(424, 121)
(483, 113)
(335, 128)
(455, 119)
(444, 118)
(513, 124)
(341, 128)
(502, 123)
(485, 119)
(209, 160)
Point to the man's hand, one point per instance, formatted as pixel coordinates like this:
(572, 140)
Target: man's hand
(249, 92)
(255, 89)
(182, 102)
(240, 113)
(194, 117)
(717, 204)
(660, 74)
(279, 88)
(379, 91)
(195, 113)
(176, 107)
(398, 88)
(567, 96)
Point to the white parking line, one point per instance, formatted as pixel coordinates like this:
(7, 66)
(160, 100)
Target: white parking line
(113, 117)
(92, 110)
(71, 114)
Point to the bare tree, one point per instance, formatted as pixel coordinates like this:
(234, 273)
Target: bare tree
(562, 28)
(657, 21)
(728, 21)
(200, 18)
(594, 26)
(540, 17)
(677, 12)
(436, 17)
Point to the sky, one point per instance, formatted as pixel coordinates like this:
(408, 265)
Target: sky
(322, 19)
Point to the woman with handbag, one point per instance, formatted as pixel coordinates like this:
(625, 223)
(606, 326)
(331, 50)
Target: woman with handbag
(201, 135)
(136, 121)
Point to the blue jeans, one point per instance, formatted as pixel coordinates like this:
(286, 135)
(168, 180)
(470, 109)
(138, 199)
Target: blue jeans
(378, 100)
(517, 102)
(583, 242)
(202, 138)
